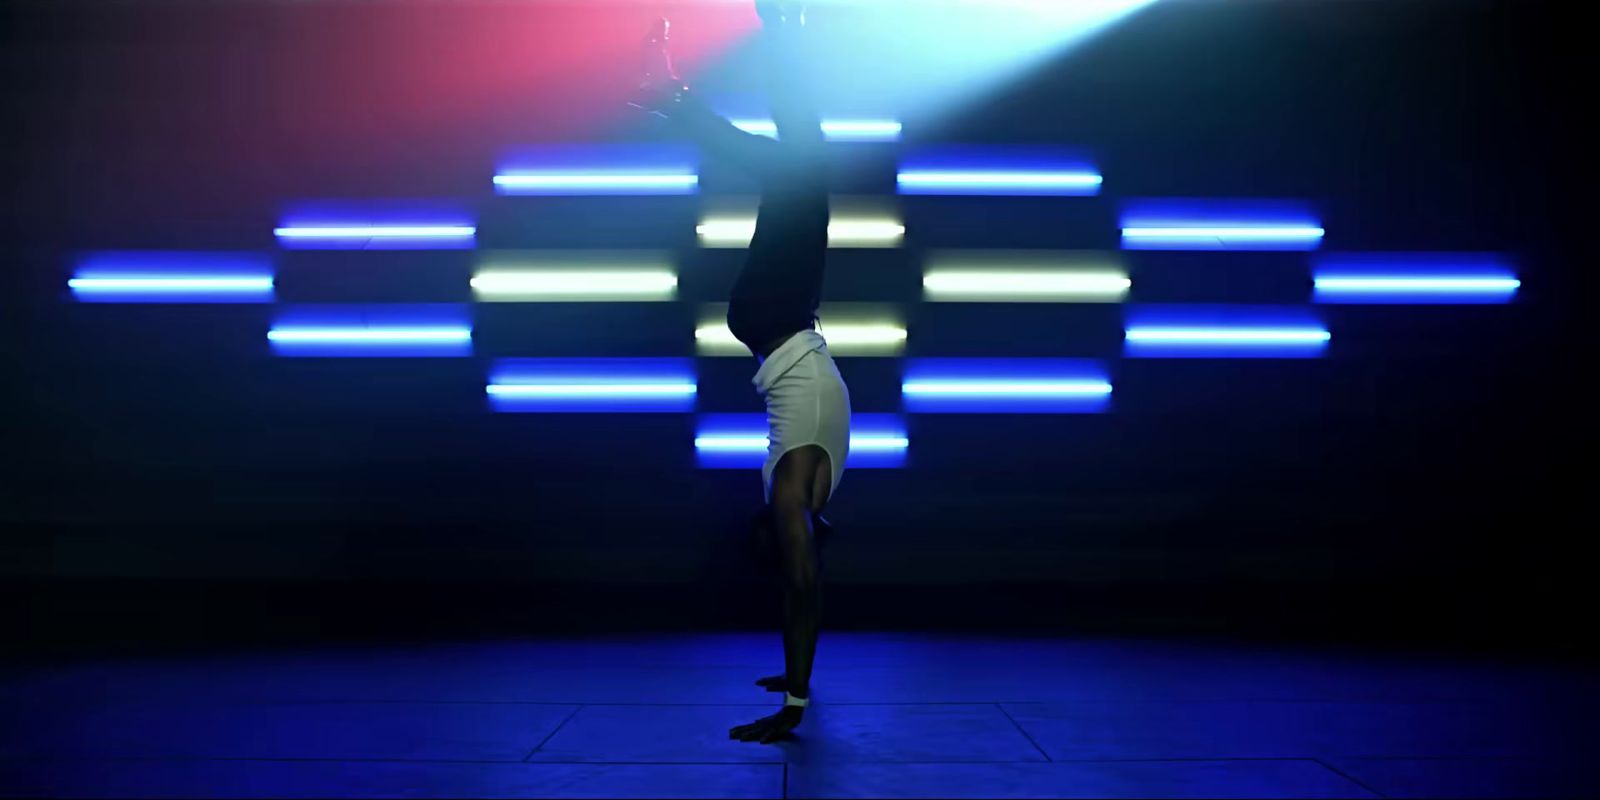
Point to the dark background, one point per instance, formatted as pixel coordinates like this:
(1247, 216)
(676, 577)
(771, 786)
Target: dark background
(165, 473)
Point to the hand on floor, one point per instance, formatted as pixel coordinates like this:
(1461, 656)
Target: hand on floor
(769, 729)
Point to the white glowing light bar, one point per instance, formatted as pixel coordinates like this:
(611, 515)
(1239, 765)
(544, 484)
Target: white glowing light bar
(377, 231)
(840, 335)
(731, 443)
(987, 284)
(847, 232)
(371, 335)
(167, 285)
(1412, 285)
(841, 130)
(858, 443)
(592, 390)
(607, 182)
(1240, 336)
(575, 284)
(872, 444)
(1036, 181)
(1007, 388)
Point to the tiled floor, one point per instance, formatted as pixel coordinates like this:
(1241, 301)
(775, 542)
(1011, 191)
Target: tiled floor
(895, 715)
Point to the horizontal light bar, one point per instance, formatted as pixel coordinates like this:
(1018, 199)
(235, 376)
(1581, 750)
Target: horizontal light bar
(1039, 285)
(377, 336)
(185, 288)
(1415, 284)
(837, 130)
(1028, 182)
(592, 385)
(1005, 386)
(172, 276)
(1219, 224)
(592, 390)
(1244, 336)
(739, 441)
(846, 232)
(731, 443)
(166, 284)
(1221, 237)
(980, 388)
(837, 335)
(572, 284)
(1414, 278)
(597, 181)
(1267, 233)
(998, 171)
(420, 330)
(1224, 331)
(862, 129)
(574, 183)
(376, 232)
(865, 443)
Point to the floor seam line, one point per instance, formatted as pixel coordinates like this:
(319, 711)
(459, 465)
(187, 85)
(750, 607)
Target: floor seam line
(1003, 712)
(1347, 776)
(552, 733)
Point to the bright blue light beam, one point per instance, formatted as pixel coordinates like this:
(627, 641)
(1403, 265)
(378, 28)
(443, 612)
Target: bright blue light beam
(1418, 278)
(172, 276)
(378, 336)
(371, 332)
(1005, 386)
(1224, 331)
(592, 385)
(341, 236)
(1402, 284)
(565, 184)
(172, 289)
(570, 391)
(375, 231)
(859, 442)
(1006, 389)
(1226, 342)
(1221, 237)
(739, 441)
(997, 182)
(1240, 336)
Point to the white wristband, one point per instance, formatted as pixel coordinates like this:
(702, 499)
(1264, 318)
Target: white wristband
(791, 700)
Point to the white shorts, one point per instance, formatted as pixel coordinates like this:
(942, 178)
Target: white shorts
(807, 403)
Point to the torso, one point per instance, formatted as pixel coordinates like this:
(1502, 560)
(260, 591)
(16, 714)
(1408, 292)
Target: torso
(766, 350)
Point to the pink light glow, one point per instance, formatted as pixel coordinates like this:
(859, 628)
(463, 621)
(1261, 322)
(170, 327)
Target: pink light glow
(516, 72)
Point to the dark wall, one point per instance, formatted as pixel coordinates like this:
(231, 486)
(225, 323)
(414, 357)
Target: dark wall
(167, 442)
